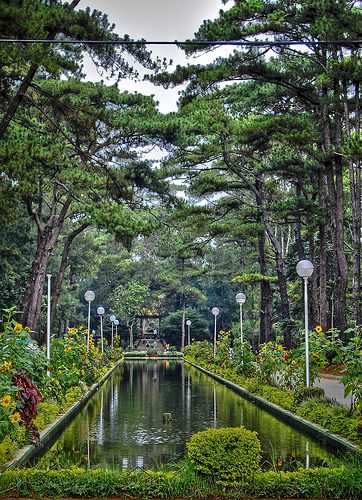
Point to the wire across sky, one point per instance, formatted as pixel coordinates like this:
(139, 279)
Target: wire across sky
(243, 43)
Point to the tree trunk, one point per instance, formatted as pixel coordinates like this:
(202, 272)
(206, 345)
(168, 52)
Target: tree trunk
(342, 281)
(355, 193)
(282, 282)
(322, 267)
(266, 296)
(258, 190)
(131, 335)
(48, 234)
(313, 286)
(334, 176)
(323, 299)
(31, 303)
(298, 226)
(183, 323)
(62, 268)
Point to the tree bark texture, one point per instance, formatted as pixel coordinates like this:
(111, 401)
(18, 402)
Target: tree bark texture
(266, 296)
(62, 268)
(48, 234)
(183, 323)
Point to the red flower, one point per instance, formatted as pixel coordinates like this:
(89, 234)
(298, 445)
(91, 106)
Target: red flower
(30, 395)
(286, 357)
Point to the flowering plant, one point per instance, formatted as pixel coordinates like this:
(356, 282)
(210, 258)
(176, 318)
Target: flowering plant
(350, 355)
(19, 395)
(271, 363)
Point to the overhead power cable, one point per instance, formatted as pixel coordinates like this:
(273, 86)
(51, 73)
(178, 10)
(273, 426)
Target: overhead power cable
(261, 43)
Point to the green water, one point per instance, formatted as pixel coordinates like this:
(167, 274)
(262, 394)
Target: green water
(122, 425)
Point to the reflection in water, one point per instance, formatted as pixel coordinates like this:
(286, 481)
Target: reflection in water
(122, 425)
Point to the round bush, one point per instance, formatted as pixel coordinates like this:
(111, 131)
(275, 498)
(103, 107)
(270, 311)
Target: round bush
(228, 454)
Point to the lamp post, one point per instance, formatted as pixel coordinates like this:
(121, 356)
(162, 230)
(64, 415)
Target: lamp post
(113, 319)
(240, 299)
(215, 311)
(116, 323)
(89, 296)
(48, 325)
(305, 269)
(100, 312)
(188, 323)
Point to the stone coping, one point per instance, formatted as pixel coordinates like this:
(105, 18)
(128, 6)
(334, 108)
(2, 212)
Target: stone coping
(61, 421)
(312, 429)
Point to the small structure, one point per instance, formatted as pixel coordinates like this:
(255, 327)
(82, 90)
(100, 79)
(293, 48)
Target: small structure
(149, 325)
(149, 337)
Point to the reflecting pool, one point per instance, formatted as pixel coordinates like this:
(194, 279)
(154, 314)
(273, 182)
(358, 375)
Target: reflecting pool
(123, 426)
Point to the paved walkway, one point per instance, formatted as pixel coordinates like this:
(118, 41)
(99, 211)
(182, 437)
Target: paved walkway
(333, 389)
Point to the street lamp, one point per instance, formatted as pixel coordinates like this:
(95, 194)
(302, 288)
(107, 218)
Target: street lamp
(89, 296)
(113, 319)
(116, 323)
(305, 270)
(215, 311)
(48, 324)
(240, 299)
(100, 312)
(188, 323)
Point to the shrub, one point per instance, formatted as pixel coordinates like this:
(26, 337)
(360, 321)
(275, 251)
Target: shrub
(7, 448)
(304, 393)
(227, 453)
(333, 416)
(46, 414)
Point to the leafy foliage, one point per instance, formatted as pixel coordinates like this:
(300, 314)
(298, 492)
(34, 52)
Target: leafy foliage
(226, 454)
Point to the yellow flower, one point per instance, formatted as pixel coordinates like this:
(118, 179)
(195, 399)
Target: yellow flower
(15, 418)
(80, 328)
(293, 362)
(318, 329)
(360, 352)
(27, 329)
(280, 348)
(6, 366)
(270, 342)
(6, 401)
(18, 328)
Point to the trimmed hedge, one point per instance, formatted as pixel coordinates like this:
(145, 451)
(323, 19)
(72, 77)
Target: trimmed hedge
(227, 454)
(337, 483)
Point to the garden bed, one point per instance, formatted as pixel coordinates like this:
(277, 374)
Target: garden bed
(26, 454)
(287, 416)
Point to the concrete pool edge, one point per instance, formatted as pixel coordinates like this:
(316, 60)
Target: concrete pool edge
(312, 429)
(61, 421)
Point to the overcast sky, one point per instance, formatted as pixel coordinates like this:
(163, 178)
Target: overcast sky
(156, 20)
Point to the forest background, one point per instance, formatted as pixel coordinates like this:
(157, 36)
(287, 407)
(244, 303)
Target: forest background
(262, 170)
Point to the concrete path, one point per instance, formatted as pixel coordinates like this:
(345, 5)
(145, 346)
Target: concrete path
(334, 389)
